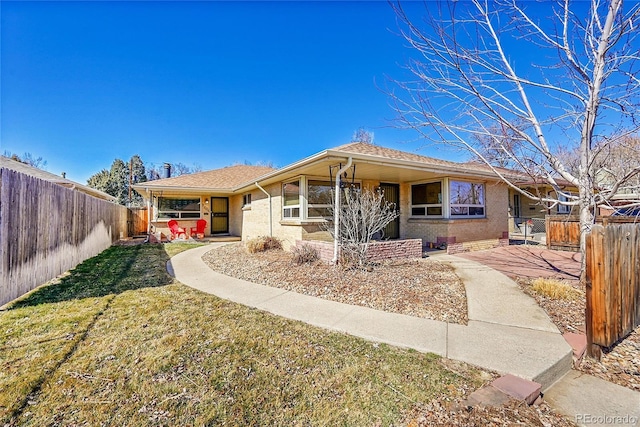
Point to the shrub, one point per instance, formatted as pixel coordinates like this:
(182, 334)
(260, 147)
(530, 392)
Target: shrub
(263, 243)
(555, 289)
(304, 254)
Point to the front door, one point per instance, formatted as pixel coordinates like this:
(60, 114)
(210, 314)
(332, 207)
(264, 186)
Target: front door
(219, 215)
(391, 194)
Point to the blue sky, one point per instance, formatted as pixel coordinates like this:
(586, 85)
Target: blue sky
(210, 83)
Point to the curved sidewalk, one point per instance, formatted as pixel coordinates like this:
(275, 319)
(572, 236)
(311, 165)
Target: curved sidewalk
(507, 332)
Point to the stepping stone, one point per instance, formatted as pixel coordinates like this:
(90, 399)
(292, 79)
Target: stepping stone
(486, 396)
(578, 343)
(518, 388)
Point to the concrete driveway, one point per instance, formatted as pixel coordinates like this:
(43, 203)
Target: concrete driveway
(529, 261)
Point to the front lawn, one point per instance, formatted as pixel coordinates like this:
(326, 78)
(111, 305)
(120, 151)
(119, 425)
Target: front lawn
(119, 342)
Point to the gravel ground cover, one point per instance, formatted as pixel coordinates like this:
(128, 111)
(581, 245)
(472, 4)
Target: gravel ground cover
(418, 287)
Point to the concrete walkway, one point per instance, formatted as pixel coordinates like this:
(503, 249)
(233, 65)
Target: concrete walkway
(507, 331)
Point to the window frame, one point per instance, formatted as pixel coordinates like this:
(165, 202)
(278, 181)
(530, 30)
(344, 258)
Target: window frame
(467, 206)
(426, 206)
(311, 205)
(563, 209)
(291, 208)
(178, 213)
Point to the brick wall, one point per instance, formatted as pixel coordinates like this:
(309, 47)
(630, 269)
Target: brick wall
(256, 218)
(325, 249)
(477, 245)
(410, 248)
(458, 230)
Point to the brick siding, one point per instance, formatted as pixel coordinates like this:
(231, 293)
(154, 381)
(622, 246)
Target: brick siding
(410, 248)
(477, 245)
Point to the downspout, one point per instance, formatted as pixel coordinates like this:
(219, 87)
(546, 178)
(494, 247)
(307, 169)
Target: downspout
(270, 211)
(336, 211)
(149, 217)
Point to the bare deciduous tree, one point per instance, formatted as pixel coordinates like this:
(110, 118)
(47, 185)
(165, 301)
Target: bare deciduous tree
(567, 71)
(362, 135)
(498, 146)
(363, 215)
(27, 159)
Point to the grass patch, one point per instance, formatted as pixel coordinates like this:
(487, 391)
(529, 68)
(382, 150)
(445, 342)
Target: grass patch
(555, 289)
(118, 342)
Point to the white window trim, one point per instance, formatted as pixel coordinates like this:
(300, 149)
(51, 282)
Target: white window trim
(158, 212)
(305, 199)
(467, 205)
(301, 184)
(244, 200)
(313, 205)
(443, 196)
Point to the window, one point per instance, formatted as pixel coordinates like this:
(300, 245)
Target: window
(563, 209)
(466, 199)
(246, 200)
(319, 195)
(426, 199)
(516, 205)
(178, 208)
(291, 200)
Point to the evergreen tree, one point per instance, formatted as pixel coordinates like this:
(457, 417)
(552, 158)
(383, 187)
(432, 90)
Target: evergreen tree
(116, 180)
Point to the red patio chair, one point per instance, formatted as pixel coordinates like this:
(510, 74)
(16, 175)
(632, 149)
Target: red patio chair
(176, 230)
(201, 224)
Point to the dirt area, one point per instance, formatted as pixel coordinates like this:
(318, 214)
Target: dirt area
(418, 287)
(620, 364)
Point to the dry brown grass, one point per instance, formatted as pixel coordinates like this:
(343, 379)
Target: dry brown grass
(304, 254)
(118, 342)
(555, 289)
(262, 244)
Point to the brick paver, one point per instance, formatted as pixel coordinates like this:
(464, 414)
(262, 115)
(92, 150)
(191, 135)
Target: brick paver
(529, 261)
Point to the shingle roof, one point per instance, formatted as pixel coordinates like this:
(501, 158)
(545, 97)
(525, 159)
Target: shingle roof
(390, 153)
(8, 163)
(225, 178)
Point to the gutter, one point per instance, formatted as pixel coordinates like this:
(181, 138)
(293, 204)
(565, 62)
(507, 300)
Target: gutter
(270, 211)
(336, 211)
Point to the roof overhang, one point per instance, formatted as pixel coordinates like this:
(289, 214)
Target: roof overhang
(370, 167)
(148, 190)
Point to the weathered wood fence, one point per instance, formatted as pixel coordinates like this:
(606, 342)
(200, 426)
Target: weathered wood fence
(47, 229)
(563, 231)
(613, 283)
(137, 221)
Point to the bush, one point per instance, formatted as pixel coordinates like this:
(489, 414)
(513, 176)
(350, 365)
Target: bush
(263, 243)
(304, 254)
(555, 289)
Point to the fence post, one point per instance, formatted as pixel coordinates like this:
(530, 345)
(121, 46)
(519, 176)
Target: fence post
(594, 241)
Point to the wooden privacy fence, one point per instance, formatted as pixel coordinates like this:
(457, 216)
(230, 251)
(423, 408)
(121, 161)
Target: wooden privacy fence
(613, 283)
(137, 221)
(563, 231)
(47, 229)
